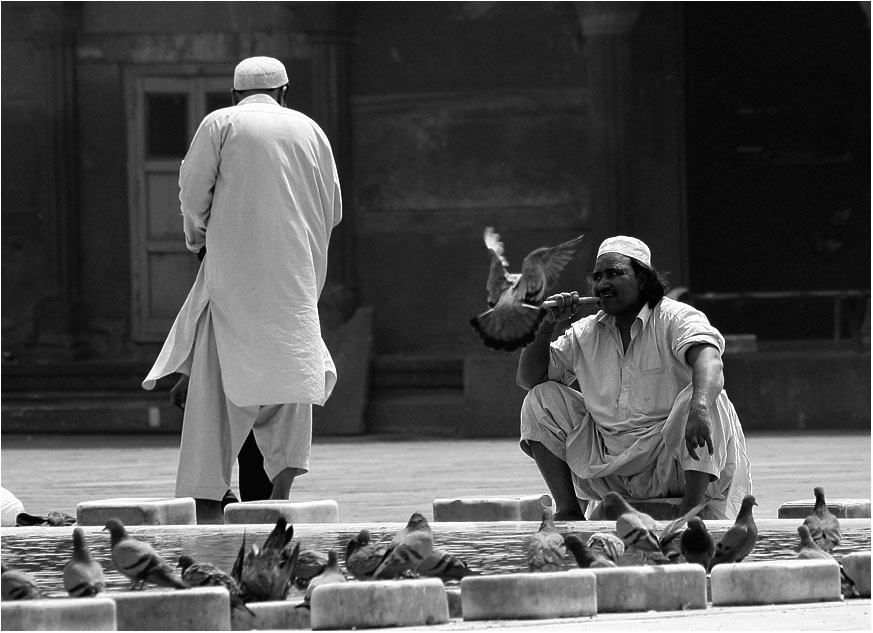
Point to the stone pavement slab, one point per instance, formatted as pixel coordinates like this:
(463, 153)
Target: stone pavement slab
(379, 478)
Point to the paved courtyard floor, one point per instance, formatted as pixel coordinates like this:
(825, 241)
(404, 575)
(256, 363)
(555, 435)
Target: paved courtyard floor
(378, 478)
(385, 479)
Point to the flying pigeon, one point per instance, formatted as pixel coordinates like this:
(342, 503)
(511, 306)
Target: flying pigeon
(445, 566)
(515, 299)
(364, 556)
(809, 549)
(265, 573)
(331, 574)
(139, 561)
(208, 575)
(83, 576)
(585, 557)
(408, 548)
(310, 563)
(740, 539)
(17, 585)
(544, 550)
(696, 543)
(823, 526)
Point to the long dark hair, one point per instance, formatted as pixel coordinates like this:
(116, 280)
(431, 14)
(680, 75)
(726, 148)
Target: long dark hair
(654, 285)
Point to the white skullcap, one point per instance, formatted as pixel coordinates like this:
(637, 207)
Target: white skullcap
(627, 246)
(259, 73)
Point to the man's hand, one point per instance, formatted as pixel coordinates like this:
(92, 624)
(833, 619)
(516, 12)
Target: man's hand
(179, 393)
(698, 431)
(567, 304)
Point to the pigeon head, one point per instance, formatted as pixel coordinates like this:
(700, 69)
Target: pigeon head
(615, 504)
(185, 562)
(746, 506)
(695, 524)
(417, 522)
(332, 558)
(116, 530)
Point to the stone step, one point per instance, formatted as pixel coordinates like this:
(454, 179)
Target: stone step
(197, 609)
(491, 508)
(326, 511)
(138, 511)
(431, 412)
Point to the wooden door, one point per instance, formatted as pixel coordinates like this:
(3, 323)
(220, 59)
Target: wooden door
(163, 113)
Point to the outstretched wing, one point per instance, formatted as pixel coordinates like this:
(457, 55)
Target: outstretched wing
(542, 267)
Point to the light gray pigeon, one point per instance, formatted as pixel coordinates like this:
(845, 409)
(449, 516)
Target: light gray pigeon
(823, 526)
(515, 299)
(83, 576)
(139, 561)
(17, 585)
(544, 550)
(408, 548)
(331, 574)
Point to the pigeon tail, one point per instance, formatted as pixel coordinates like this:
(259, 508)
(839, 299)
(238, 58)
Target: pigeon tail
(507, 329)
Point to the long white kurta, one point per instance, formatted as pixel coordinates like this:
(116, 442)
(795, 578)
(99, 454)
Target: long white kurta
(262, 178)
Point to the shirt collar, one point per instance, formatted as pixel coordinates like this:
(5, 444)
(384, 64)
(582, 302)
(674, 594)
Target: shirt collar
(258, 98)
(643, 317)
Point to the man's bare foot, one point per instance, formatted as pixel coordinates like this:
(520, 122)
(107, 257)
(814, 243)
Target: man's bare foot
(209, 512)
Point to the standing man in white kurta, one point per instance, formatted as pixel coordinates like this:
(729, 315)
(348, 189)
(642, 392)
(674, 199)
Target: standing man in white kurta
(260, 192)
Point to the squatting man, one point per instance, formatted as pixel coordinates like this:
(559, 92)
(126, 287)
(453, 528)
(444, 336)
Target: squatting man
(631, 399)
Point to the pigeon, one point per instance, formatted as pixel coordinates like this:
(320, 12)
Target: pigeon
(545, 550)
(809, 549)
(585, 557)
(445, 566)
(310, 563)
(408, 548)
(670, 537)
(331, 574)
(265, 573)
(609, 545)
(208, 575)
(823, 526)
(696, 543)
(139, 561)
(364, 556)
(83, 576)
(740, 538)
(17, 585)
(515, 299)
(637, 530)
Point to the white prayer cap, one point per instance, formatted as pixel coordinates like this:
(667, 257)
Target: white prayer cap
(627, 246)
(259, 73)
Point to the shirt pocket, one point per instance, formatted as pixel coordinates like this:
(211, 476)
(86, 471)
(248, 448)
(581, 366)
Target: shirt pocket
(651, 392)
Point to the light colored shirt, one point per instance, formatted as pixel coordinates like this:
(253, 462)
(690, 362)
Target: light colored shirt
(628, 392)
(259, 188)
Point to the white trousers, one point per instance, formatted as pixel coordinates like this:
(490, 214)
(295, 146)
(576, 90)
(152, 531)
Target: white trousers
(214, 428)
(652, 463)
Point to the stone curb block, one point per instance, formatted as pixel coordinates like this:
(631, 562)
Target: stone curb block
(198, 609)
(651, 588)
(857, 567)
(58, 614)
(326, 511)
(775, 582)
(138, 511)
(490, 509)
(379, 604)
(562, 594)
(841, 508)
(275, 615)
